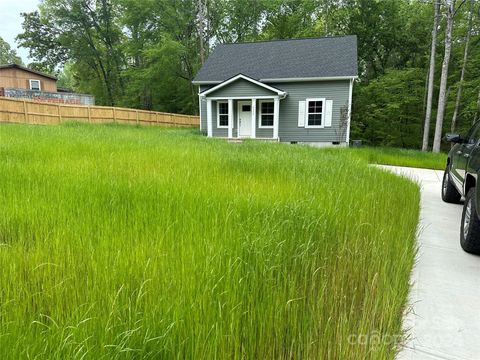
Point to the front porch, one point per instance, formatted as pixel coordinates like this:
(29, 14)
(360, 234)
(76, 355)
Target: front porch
(242, 108)
(243, 118)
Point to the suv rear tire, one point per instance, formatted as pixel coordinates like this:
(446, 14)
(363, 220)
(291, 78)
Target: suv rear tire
(470, 226)
(450, 193)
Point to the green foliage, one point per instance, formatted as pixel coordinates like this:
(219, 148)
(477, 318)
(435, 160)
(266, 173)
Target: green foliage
(66, 77)
(42, 41)
(392, 118)
(159, 243)
(7, 54)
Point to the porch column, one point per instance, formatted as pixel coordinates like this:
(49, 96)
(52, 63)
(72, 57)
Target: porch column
(276, 111)
(209, 118)
(230, 118)
(254, 118)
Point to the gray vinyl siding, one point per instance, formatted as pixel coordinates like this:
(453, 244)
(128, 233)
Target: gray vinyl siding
(264, 133)
(203, 115)
(241, 88)
(338, 91)
(203, 109)
(288, 129)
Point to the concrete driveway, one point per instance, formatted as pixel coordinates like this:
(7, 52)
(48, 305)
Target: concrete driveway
(444, 320)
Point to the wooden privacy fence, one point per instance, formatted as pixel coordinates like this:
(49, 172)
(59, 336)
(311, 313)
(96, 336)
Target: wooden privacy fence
(25, 111)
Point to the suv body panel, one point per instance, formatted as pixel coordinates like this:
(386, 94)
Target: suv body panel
(464, 163)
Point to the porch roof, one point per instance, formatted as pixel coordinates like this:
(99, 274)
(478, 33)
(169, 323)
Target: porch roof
(239, 77)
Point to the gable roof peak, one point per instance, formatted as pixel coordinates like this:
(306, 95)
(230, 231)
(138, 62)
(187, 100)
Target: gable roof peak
(279, 92)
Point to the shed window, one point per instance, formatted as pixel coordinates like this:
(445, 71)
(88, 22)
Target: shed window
(315, 111)
(34, 84)
(266, 114)
(222, 114)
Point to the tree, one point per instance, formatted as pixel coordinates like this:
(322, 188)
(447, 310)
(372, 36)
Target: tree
(42, 41)
(450, 15)
(201, 9)
(477, 112)
(392, 118)
(84, 32)
(7, 54)
(431, 74)
(464, 65)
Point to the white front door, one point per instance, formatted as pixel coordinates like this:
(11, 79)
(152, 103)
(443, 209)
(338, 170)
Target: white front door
(244, 118)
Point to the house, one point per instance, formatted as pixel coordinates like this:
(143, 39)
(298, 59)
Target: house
(20, 77)
(20, 82)
(297, 91)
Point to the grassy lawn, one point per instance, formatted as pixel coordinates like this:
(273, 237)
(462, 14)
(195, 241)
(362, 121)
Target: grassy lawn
(403, 157)
(127, 243)
(398, 157)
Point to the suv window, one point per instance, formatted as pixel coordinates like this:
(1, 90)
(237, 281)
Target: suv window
(474, 134)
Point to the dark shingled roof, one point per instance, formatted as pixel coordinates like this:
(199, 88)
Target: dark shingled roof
(280, 59)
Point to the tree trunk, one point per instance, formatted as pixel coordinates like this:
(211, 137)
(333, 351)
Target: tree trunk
(443, 80)
(477, 113)
(326, 17)
(462, 74)
(431, 75)
(201, 35)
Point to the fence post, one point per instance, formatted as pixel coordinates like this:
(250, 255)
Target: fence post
(114, 115)
(59, 111)
(136, 112)
(25, 111)
(89, 114)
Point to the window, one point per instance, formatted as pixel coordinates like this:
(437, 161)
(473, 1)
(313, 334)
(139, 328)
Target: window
(222, 114)
(266, 114)
(246, 108)
(315, 111)
(35, 85)
(473, 134)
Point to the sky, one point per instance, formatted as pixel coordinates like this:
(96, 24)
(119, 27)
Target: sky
(11, 22)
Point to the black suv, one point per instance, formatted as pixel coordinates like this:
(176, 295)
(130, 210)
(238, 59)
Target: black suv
(460, 180)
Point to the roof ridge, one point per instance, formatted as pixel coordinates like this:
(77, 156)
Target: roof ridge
(285, 40)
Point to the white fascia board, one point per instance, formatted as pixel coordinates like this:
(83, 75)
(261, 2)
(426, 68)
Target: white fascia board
(311, 79)
(246, 97)
(205, 82)
(241, 76)
(328, 78)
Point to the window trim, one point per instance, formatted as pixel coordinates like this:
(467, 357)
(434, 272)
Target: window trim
(39, 84)
(260, 126)
(218, 115)
(307, 101)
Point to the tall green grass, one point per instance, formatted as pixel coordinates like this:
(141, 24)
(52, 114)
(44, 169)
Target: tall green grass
(399, 157)
(131, 243)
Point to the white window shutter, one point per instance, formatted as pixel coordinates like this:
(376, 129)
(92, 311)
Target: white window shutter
(328, 112)
(301, 114)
